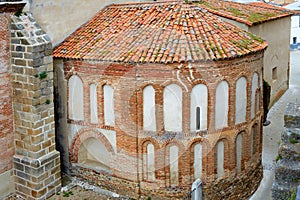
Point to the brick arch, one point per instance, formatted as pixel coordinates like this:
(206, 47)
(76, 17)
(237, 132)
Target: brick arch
(227, 153)
(84, 134)
(176, 82)
(148, 140)
(205, 150)
(244, 156)
(182, 155)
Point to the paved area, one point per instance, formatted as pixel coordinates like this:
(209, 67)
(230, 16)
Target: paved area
(272, 133)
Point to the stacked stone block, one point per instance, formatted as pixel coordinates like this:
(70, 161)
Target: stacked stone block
(36, 162)
(287, 173)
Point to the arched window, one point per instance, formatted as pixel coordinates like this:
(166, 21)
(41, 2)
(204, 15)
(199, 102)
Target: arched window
(149, 121)
(93, 153)
(198, 108)
(93, 103)
(239, 152)
(254, 140)
(221, 109)
(109, 115)
(253, 94)
(75, 103)
(240, 100)
(257, 98)
(173, 108)
(198, 161)
(220, 159)
(174, 165)
(150, 162)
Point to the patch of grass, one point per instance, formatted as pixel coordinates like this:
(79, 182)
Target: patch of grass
(43, 75)
(48, 101)
(278, 142)
(256, 38)
(279, 157)
(293, 195)
(235, 11)
(293, 141)
(68, 193)
(257, 17)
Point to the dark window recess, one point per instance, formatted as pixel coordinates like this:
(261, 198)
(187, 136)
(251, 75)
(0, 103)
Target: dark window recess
(198, 118)
(294, 40)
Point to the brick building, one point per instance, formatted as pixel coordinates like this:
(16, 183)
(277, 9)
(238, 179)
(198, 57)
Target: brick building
(153, 96)
(6, 112)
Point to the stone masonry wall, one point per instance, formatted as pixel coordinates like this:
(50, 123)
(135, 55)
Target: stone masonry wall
(287, 170)
(36, 162)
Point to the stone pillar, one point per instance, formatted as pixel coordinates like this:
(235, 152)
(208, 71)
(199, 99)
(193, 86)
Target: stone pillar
(36, 162)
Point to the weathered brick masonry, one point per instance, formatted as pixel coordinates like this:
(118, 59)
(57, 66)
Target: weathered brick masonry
(139, 78)
(126, 164)
(6, 113)
(36, 162)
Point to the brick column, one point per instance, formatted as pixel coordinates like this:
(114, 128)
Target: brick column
(36, 162)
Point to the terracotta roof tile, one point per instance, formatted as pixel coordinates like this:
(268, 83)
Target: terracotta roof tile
(247, 13)
(160, 32)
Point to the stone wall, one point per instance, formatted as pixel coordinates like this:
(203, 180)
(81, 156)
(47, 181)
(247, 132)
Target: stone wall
(126, 170)
(6, 112)
(287, 173)
(36, 162)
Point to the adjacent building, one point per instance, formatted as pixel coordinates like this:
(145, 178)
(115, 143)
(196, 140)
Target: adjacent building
(153, 96)
(271, 23)
(295, 25)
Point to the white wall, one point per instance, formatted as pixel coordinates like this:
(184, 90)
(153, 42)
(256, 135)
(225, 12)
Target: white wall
(93, 103)
(173, 108)
(199, 98)
(220, 159)
(240, 100)
(295, 29)
(149, 120)
(221, 109)
(150, 162)
(253, 92)
(174, 165)
(198, 161)
(109, 115)
(239, 151)
(59, 18)
(75, 101)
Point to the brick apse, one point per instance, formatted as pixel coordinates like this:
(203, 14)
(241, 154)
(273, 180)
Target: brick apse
(160, 94)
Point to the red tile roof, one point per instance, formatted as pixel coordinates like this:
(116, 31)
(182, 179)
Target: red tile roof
(247, 13)
(160, 32)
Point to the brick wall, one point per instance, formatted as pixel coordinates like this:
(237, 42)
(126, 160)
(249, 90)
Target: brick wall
(6, 112)
(6, 115)
(128, 81)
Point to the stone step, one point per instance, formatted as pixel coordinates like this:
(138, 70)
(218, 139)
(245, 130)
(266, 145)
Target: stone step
(282, 191)
(292, 116)
(287, 171)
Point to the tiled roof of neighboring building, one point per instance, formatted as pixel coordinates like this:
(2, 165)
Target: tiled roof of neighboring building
(159, 32)
(11, 6)
(247, 13)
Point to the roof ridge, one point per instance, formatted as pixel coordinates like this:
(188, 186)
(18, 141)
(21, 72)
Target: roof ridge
(143, 3)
